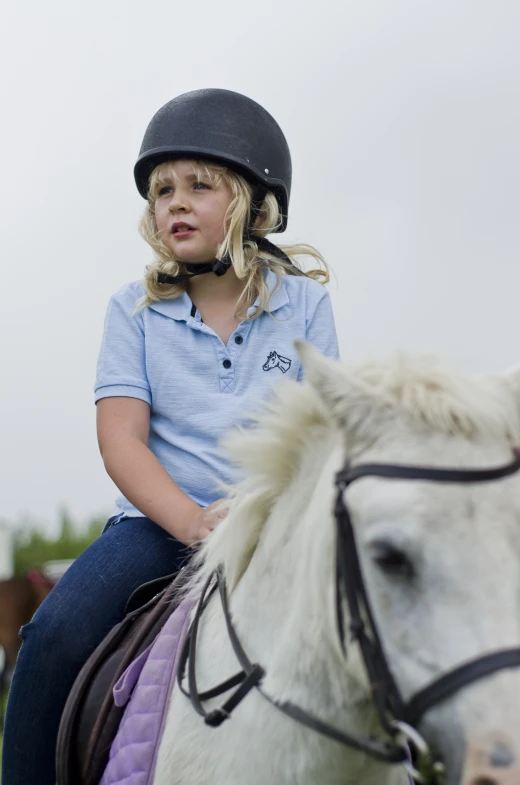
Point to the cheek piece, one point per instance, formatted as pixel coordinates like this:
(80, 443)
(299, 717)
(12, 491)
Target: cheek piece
(221, 266)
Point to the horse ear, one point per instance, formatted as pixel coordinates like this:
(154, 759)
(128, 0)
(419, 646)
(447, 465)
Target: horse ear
(512, 376)
(350, 403)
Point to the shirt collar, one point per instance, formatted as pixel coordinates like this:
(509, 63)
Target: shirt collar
(279, 296)
(179, 308)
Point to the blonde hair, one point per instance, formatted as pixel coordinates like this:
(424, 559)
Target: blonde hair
(248, 261)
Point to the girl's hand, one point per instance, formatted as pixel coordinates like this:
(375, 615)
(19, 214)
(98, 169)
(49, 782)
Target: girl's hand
(203, 523)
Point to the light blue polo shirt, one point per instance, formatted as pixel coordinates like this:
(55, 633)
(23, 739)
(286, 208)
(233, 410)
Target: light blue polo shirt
(197, 387)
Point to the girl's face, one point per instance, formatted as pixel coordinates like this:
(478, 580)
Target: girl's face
(190, 212)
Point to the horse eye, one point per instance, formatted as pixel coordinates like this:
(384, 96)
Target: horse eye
(392, 560)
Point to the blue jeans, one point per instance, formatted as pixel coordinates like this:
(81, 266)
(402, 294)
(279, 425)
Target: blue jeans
(75, 617)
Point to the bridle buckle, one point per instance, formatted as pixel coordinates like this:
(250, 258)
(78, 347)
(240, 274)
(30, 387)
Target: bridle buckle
(423, 769)
(216, 717)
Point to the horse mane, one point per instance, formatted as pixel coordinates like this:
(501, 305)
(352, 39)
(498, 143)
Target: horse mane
(429, 394)
(269, 452)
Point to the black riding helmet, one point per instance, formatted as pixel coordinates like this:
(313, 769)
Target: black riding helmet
(223, 126)
(230, 129)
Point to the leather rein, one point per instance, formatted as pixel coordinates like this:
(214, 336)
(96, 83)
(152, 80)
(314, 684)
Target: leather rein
(398, 718)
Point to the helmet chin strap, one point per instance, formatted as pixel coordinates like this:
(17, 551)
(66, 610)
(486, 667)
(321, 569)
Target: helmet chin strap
(221, 266)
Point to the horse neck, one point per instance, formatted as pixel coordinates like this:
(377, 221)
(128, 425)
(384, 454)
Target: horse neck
(285, 603)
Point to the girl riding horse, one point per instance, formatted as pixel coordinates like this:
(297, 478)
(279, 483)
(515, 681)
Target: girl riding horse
(181, 361)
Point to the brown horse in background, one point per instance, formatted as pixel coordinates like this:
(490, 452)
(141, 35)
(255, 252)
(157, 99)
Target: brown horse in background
(19, 599)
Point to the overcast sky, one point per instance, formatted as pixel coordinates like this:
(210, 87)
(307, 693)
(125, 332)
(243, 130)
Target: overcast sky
(403, 119)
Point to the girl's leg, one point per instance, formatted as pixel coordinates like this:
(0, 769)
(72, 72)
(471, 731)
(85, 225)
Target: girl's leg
(86, 603)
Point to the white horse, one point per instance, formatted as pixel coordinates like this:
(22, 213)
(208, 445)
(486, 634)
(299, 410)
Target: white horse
(441, 565)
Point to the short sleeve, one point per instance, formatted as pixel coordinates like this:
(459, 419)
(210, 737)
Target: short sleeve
(121, 367)
(321, 330)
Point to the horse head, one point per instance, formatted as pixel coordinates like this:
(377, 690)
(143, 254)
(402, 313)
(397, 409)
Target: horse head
(439, 561)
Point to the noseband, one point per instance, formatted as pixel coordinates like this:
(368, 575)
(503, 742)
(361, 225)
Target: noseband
(397, 717)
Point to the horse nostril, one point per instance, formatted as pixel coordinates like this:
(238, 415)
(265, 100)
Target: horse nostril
(501, 756)
(483, 781)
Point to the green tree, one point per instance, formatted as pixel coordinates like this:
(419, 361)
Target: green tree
(32, 547)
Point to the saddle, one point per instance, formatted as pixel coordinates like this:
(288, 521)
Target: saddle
(90, 719)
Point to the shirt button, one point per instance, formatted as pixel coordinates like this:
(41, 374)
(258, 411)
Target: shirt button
(227, 363)
(239, 339)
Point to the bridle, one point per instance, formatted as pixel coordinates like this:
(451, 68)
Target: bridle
(398, 718)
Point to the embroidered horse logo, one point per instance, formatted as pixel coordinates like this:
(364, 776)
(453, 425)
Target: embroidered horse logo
(275, 360)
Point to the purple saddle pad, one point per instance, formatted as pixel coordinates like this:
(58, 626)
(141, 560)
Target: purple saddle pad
(145, 688)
